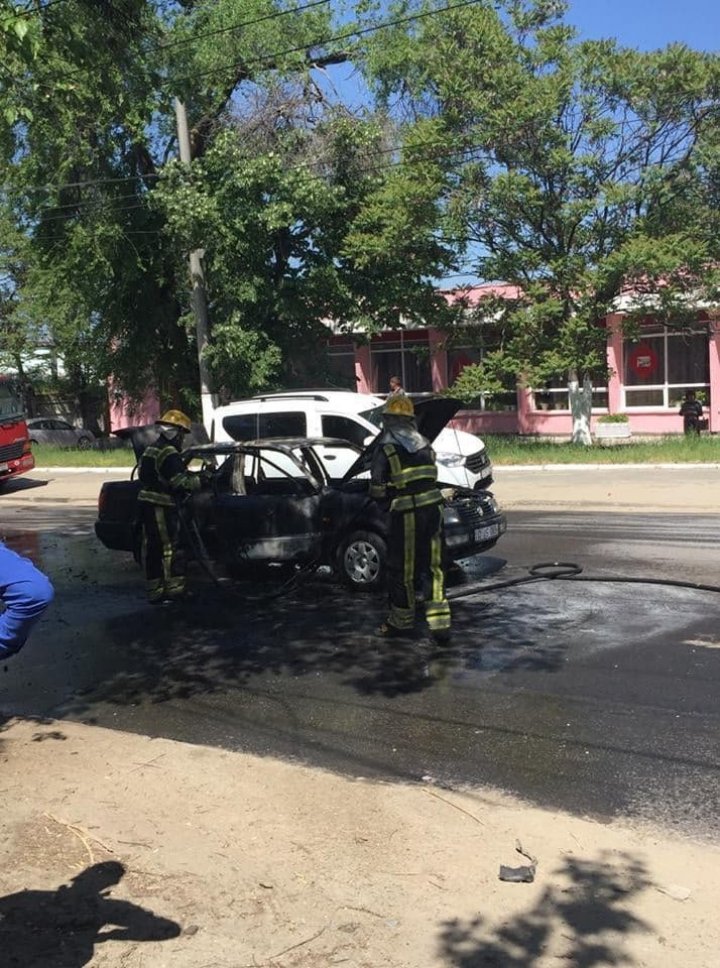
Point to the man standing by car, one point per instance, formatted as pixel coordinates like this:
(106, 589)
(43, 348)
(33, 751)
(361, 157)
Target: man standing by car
(25, 592)
(404, 473)
(166, 482)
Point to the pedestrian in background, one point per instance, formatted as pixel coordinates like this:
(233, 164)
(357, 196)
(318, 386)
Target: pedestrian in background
(396, 386)
(25, 592)
(691, 411)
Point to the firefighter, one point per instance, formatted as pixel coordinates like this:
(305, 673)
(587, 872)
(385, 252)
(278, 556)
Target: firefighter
(166, 483)
(404, 473)
(25, 592)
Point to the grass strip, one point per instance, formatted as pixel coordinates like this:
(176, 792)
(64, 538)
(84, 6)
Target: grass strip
(48, 456)
(672, 449)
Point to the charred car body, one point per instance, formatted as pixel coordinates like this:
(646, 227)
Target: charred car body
(271, 502)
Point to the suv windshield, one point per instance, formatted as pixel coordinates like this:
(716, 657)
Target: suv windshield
(11, 405)
(374, 416)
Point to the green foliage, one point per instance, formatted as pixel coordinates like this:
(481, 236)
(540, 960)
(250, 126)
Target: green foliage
(577, 165)
(613, 418)
(563, 168)
(297, 227)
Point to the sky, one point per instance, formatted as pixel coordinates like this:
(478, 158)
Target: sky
(648, 24)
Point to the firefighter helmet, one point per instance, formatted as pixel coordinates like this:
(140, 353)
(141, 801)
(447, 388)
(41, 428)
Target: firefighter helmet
(176, 418)
(399, 405)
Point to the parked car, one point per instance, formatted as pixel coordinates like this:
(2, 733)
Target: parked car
(350, 416)
(53, 430)
(272, 502)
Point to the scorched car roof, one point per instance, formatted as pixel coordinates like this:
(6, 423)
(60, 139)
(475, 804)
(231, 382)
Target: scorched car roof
(283, 444)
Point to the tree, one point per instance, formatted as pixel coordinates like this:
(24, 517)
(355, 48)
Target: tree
(567, 155)
(106, 267)
(302, 221)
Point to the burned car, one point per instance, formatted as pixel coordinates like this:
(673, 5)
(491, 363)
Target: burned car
(271, 502)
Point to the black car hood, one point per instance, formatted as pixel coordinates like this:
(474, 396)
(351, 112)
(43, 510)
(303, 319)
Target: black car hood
(432, 414)
(143, 435)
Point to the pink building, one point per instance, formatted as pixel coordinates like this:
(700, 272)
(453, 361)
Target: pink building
(648, 376)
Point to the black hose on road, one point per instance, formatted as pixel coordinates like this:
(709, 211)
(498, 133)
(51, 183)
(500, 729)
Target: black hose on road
(569, 571)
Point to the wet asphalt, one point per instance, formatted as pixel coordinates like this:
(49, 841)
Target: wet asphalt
(594, 697)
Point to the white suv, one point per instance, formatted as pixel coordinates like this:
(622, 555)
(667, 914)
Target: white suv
(344, 414)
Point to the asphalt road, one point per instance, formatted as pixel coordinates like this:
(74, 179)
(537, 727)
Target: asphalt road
(597, 697)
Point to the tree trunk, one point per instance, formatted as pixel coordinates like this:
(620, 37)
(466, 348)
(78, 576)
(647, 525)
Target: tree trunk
(580, 408)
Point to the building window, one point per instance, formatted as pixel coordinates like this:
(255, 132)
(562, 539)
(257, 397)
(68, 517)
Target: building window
(461, 356)
(554, 395)
(341, 363)
(406, 355)
(661, 365)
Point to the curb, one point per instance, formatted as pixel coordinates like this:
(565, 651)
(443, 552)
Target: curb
(82, 470)
(498, 468)
(515, 468)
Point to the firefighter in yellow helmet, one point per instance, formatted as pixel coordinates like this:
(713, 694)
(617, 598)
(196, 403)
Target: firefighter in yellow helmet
(165, 482)
(404, 473)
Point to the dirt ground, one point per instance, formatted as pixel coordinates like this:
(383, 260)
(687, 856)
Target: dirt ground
(143, 853)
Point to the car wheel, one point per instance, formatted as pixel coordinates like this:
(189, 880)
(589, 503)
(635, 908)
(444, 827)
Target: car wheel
(84, 443)
(362, 561)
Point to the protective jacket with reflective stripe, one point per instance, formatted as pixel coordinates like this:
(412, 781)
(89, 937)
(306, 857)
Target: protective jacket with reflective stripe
(408, 479)
(163, 475)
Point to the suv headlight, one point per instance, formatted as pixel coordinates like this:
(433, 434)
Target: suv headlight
(450, 460)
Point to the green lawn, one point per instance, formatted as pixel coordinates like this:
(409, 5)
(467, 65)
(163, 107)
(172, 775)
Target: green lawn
(673, 449)
(48, 456)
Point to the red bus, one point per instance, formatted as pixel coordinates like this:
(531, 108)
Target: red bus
(15, 450)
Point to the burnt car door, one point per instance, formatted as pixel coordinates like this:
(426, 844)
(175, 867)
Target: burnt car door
(266, 509)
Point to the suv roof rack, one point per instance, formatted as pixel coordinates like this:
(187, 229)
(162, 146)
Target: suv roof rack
(290, 395)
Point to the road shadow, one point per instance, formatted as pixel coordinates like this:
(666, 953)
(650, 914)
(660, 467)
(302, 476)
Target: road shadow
(580, 920)
(16, 484)
(50, 929)
(222, 640)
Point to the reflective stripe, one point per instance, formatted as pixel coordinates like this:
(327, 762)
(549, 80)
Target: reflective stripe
(184, 480)
(378, 490)
(401, 476)
(154, 589)
(167, 548)
(156, 497)
(437, 610)
(411, 501)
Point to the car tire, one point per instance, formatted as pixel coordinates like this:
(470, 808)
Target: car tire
(361, 561)
(84, 443)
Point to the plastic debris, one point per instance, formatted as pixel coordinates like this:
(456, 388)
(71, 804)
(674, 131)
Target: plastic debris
(519, 875)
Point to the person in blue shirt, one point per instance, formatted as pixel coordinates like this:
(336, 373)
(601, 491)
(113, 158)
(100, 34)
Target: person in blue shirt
(25, 593)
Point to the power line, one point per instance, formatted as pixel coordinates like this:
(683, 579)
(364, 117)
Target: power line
(211, 33)
(30, 11)
(78, 184)
(238, 26)
(359, 32)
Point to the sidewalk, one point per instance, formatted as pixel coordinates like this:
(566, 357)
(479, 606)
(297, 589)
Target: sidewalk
(680, 488)
(683, 489)
(258, 862)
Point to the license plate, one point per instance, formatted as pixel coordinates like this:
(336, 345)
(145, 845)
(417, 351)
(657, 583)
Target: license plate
(4, 467)
(484, 534)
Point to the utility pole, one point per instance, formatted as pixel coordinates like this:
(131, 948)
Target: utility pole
(197, 280)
